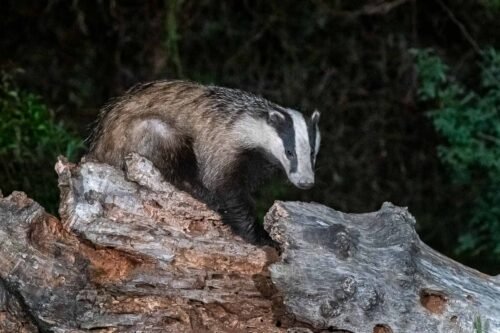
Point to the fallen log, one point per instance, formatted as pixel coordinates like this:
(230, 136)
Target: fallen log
(131, 253)
(372, 273)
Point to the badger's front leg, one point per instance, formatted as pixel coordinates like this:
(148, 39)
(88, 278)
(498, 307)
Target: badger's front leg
(237, 208)
(238, 211)
(224, 174)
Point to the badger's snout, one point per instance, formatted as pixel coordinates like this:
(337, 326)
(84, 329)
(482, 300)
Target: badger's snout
(305, 184)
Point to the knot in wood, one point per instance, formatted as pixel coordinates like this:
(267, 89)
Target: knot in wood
(349, 285)
(342, 242)
(333, 306)
(346, 290)
(369, 298)
(330, 308)
(93, 196)
(335, 237)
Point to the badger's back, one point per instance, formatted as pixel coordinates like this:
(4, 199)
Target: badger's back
(160, 120)
(150, 119)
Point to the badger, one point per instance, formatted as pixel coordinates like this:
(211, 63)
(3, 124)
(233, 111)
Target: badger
(216, 143)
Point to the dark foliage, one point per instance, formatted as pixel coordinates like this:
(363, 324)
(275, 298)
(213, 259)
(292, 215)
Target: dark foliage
(349, 59)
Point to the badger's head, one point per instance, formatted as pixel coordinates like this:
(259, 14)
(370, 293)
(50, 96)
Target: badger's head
(293, 141)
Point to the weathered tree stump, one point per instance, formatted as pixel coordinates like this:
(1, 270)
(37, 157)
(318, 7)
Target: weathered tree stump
(131, 253)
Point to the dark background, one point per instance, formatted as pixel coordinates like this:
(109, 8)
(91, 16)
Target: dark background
(349, 59)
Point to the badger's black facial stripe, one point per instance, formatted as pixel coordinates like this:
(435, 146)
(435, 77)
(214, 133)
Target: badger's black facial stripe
(287, 134)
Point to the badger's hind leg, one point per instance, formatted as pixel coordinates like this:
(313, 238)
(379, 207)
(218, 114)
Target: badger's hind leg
(160, 143)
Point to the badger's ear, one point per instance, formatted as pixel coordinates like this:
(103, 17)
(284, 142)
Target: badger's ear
(275, 117)
(315, 117)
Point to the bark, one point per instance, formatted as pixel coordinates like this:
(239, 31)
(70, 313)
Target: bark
(131, 253)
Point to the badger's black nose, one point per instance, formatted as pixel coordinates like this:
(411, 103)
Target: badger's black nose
(305, 185)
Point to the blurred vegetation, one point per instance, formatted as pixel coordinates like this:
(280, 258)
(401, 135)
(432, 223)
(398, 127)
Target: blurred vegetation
(478, 326)
(470, 122)
(349, 59)
(30, 141)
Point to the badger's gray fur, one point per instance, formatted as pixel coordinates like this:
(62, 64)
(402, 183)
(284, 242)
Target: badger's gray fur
(216, 143)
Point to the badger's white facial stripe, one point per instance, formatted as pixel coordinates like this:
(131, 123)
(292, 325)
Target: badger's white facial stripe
(301, 133)
(302, 146)
(251, 132)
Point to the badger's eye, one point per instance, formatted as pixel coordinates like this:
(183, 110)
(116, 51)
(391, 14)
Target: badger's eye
(289, 153)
